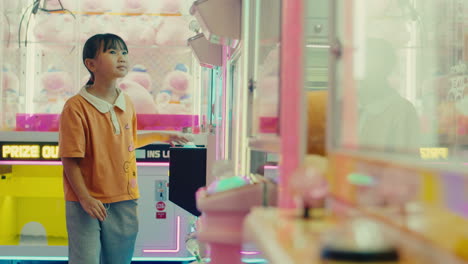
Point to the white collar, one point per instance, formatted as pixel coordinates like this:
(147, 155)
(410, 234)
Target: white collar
(100, 104)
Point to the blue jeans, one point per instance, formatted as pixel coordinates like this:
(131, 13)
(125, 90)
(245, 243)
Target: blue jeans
(112, 241)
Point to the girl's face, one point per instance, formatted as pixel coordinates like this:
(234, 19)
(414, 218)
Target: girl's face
(111, 64)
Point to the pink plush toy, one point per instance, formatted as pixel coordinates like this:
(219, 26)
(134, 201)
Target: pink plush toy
(4, 30)
(55, 86)
(173, 31)
(175, 96)
(140, 75)
(54, 28)
(97, 24)
(55, 4)
(10, 94)
(136, 6)
(138, 31)
(170, 6)
(141, 98)
(308, 183)
(96, 6)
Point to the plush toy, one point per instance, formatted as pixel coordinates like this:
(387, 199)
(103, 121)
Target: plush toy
(10, 5)
(97, 24)
(175, 97)
(136, 6)
(141, 98)
(170, 6)
(55, 28)
(55, 85)
(55, 4)
(309, 185)
(268, 88)
(138, 31)
(96, 6)
(140, 75)
(4, 30)
(173, 31)
(10, 95)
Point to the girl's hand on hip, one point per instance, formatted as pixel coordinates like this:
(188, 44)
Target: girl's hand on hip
(94, 208)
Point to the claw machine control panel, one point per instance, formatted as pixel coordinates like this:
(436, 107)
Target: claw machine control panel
(40, 51)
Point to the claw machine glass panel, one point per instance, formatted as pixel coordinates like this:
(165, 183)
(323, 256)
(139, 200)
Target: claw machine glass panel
(41, 57)
(316, 52)
(404, 97)
(398, 114)
(266, 80)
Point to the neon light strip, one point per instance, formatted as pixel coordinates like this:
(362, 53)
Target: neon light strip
(25, 162)
(153, 164)
(254, 260)
(66, 258)
(270, 167)
(177, 249)
(317, 46)
(250, 252)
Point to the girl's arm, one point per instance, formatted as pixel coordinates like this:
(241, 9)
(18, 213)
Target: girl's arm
(148, 138)
(92, 206)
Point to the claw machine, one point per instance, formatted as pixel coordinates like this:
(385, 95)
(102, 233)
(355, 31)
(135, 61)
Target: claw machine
(244, 34)
(395, 172)
(41, 45)
(396, 137)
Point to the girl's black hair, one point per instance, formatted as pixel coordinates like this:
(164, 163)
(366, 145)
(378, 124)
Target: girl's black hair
(98, 41)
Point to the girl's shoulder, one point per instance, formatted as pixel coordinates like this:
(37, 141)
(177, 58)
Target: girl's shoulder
(75, 100)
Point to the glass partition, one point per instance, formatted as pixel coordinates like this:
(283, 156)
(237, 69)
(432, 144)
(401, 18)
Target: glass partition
(265, 112)
(400, 82)
(316, 28)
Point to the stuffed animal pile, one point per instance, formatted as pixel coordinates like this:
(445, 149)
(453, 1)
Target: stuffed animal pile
(55, 87)
(175, 97)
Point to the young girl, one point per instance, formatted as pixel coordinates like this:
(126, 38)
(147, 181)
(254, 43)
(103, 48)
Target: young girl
(98, 137)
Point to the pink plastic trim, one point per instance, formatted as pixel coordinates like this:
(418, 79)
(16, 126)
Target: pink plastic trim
(291, 94)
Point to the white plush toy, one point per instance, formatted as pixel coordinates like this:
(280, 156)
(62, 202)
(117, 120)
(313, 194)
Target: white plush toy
(141, 98)
(70, 5)
(97, 24)
(173, 31)
(56, 29)
(10, 95)
(140, 75)
(136, 6)
(56, 86)
(138, 31)
(170, 6)
(268, 87)
(97, 6)
(175, 96)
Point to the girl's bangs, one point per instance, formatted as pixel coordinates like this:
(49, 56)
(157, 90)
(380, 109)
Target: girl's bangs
(114, 42)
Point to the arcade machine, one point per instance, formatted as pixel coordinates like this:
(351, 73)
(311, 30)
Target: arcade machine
(244, 41)
(395, 140)
(41, 68)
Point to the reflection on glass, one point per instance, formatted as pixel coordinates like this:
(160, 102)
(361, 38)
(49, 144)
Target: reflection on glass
(387, 121)
(404, 89)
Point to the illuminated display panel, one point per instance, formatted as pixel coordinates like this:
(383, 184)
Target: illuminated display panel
(42, 69)
(48, 151)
